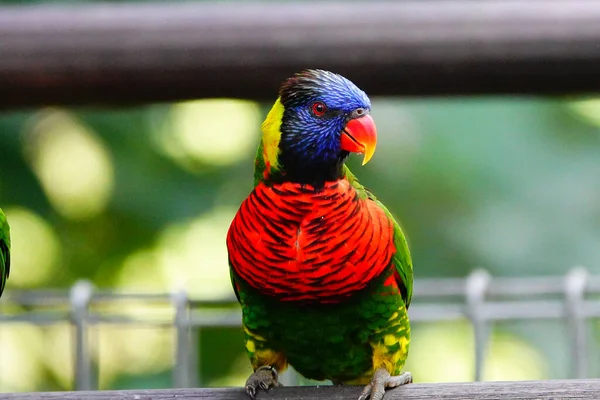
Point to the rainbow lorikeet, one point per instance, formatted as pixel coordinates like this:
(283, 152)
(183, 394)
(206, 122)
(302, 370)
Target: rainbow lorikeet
(4, 251)
(320, 267)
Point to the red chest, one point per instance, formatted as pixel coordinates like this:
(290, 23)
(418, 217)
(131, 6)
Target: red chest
(291, 241)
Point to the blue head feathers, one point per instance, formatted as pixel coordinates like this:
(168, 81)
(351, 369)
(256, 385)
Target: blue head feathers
(318, 106)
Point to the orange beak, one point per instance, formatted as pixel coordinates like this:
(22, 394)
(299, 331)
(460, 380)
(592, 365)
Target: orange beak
(360, 136)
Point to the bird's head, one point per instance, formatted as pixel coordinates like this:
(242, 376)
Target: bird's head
(319, 118)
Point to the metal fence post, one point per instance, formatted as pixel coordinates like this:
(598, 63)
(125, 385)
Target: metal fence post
(475, 289)
(575, 286)
(80, 297)
(184, 360)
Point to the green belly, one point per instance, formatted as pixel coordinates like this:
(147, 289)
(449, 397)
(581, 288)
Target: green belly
(329, 341)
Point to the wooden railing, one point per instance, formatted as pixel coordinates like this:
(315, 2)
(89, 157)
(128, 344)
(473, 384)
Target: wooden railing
(117, 53)
(556, 390)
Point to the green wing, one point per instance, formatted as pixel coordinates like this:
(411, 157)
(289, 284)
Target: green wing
(4, 251)
(234, 284)
(259, 165)
(402, 260)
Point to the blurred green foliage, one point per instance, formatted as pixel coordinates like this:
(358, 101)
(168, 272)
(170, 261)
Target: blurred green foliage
(140, 199)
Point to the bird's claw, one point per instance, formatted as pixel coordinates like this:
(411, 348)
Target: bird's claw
(383, 380)
(264, 377)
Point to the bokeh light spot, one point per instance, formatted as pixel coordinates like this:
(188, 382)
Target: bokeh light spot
(29, 231)
(193, 256)
(588, 110)
(72, 164)
(212, 131)
(444, 352)
(131, 351)
(140, 271)
(20, 346)
(58, 354)
(441, 352)
(512, 359)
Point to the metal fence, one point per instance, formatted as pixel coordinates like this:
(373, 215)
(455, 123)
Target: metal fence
(479, 298)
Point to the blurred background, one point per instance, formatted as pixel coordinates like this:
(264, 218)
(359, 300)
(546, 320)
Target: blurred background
(138, 199)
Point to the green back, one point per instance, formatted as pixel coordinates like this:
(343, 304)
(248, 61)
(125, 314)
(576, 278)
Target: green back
(4, 251)
(402, 260)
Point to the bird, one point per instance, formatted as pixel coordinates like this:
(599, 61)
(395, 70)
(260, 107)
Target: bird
(4, 251)
(319, 265)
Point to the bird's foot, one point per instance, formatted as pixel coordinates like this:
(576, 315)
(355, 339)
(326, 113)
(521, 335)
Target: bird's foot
(383, 380)
(264, 377)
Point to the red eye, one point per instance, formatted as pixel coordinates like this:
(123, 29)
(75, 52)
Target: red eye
(319, 109)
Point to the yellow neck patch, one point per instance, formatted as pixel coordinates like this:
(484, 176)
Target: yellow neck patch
(271, 129)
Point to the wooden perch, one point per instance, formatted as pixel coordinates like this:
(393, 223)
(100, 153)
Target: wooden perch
(114, 53)
(554, 389)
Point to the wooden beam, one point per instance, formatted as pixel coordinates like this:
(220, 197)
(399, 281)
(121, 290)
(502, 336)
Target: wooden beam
(116, 53)
(554, 389)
